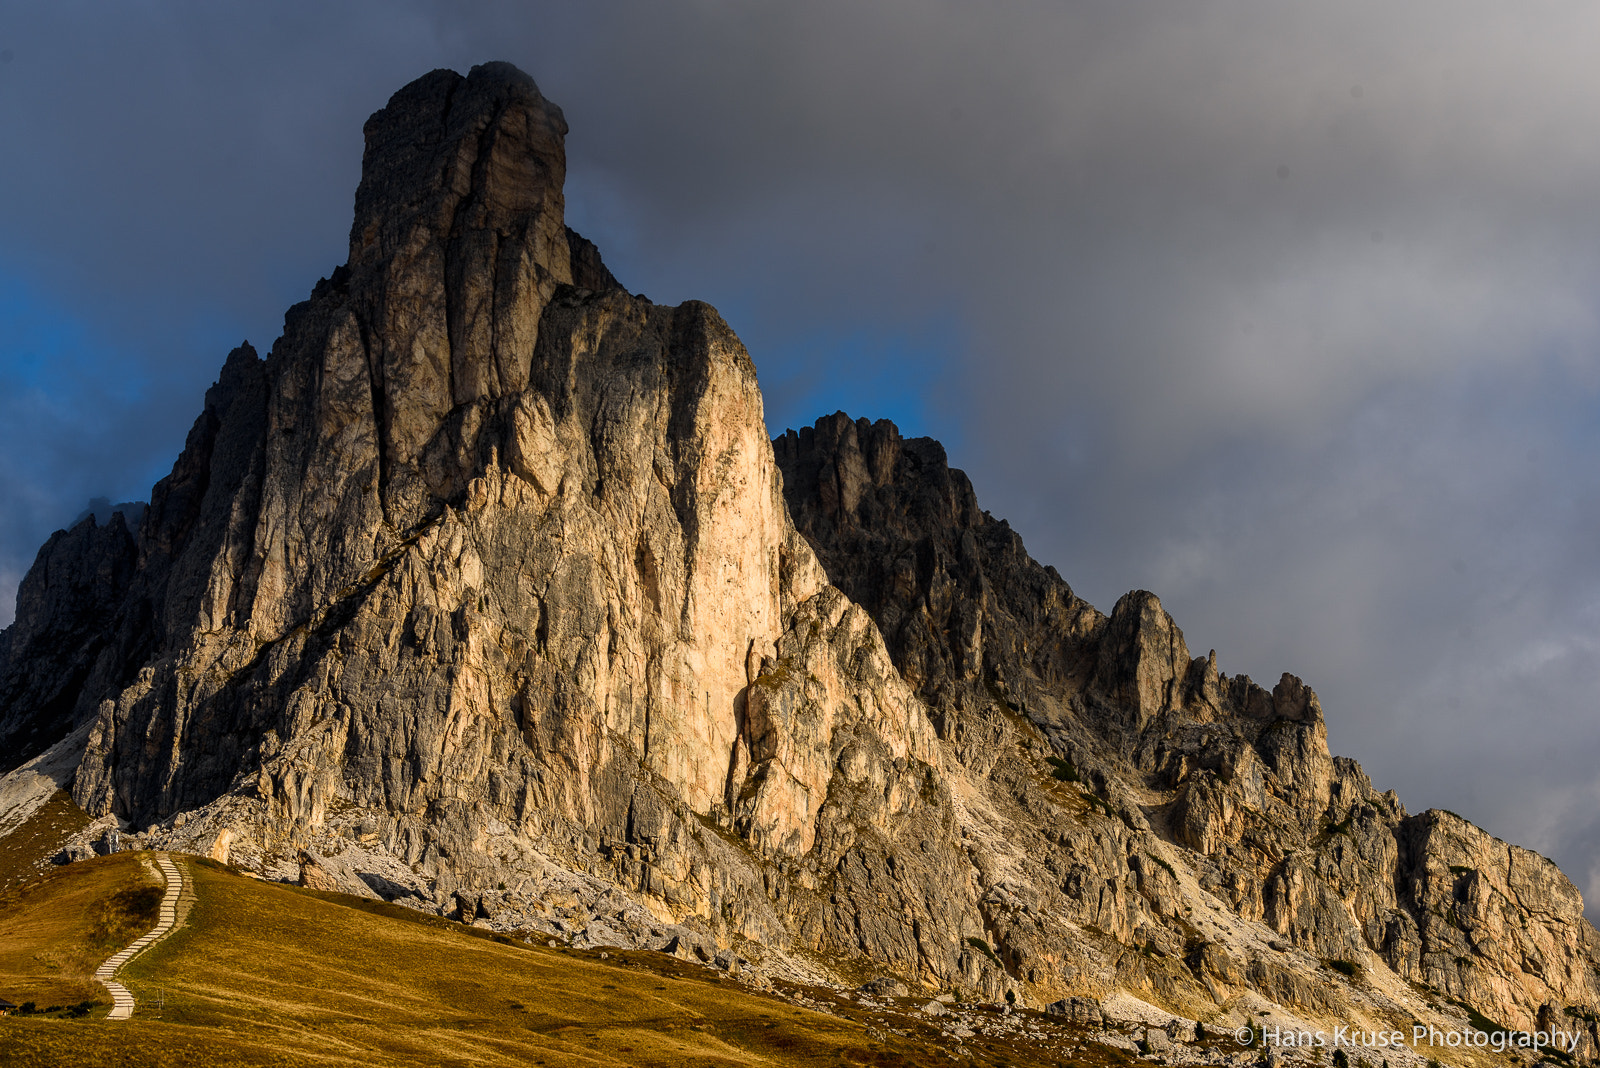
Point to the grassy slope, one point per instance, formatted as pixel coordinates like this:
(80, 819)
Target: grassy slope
(270, 974)
(55, 931)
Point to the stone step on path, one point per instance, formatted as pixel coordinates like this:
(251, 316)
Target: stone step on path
(122, 1001)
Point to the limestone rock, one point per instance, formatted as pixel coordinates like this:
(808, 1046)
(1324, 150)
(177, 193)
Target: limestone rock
(487, 593)
(886, 988)
(314, 876)
(1077, 1010)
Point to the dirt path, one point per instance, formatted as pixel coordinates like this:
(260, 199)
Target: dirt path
(167, 919)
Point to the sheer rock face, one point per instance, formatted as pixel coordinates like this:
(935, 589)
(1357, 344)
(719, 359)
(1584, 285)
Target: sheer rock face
(457, 245)
(1497, 926)
(487, 591)
(351, 469)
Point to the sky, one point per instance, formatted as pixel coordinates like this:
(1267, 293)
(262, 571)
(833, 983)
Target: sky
(1286, 312)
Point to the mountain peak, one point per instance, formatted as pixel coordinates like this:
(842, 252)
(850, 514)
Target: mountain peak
(483, 151)
(457, 244)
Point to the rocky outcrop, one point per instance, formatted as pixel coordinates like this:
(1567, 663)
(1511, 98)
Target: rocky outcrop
(1213, 777)
(955, 595)
(1496, 926)
(65, 640)
(486, 592)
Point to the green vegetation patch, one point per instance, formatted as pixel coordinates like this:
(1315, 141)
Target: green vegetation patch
(776, 678)
(1062, 769)
(1101, 804)
(983, 947)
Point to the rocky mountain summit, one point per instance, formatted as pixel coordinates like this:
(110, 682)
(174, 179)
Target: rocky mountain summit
(487, 593)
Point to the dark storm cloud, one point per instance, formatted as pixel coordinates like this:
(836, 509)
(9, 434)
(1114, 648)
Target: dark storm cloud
(1285, 312)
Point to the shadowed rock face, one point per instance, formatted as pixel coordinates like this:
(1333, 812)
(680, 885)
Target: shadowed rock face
(61, 641)
(486, 590)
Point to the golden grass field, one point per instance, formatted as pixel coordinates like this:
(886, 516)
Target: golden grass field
(55, 932)
(270, 974)
(265, 973)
